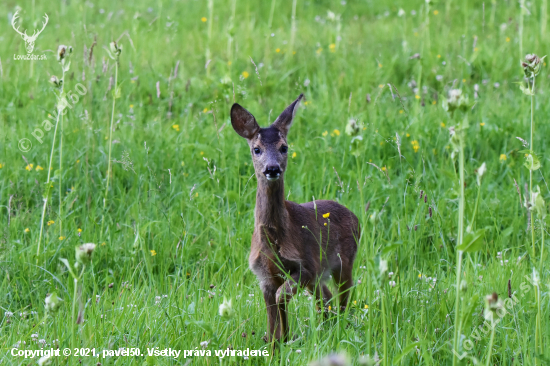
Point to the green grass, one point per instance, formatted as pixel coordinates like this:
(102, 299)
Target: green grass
(187, 193)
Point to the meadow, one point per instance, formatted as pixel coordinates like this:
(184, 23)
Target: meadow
(145, 165)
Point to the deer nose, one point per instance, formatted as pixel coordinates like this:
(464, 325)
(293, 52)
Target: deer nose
(272, 172)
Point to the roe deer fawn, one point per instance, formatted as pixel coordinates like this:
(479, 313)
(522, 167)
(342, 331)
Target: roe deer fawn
(292, 244)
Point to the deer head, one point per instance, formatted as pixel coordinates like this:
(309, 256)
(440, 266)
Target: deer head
(29, 40)
(268, 146)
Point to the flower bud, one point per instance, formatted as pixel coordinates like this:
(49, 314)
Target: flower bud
(44, 361)
(531, 65)
(52, 303)
(54, 80)
(456, 100)
(352, 128)
(226, 309)
(61, 52)
(84, 253)
(480, 171)
(115, 49)
(492, 305)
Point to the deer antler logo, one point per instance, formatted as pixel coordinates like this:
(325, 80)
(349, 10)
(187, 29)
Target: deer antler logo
(29, 40)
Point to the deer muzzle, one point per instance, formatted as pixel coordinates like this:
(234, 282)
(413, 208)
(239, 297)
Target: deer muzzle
(272, 172)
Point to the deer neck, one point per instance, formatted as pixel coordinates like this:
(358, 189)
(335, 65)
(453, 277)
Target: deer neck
(270, 204)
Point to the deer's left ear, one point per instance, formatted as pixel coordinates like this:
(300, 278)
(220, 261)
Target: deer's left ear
(284, 121)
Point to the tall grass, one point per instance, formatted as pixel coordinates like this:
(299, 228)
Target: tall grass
(179, 226)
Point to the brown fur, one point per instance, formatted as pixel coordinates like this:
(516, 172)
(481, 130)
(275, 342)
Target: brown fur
(291, 245)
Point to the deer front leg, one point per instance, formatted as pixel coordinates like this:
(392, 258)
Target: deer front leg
(273, 318)
(285, 293)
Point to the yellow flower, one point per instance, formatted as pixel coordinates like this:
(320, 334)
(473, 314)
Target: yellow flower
(229, 63)
(176, 127)
(293, 155)
(442, 124)
(38, 167)
(153, 253)
(438, 56)
(336, 132)
(408, 135)
(205, 110)
(329, 308)
(476, 49)
(79, 230)
(202, 152)
(354, 302)
(436, 12)
(197, 194)
(366, 306)
(51, 222)
(245, 74)
(381, 86)
(482, 124)
(61, 238)
(131, 106)
(325, 224)
(78, 161)
(27, 230)
(325, 216)
(379, 65)
(1, 166)
(307, 102)
(417, 96)
(103, 244)
(319, 50)
(278, 50)
(29, 167)
(420, 275)
(415, 145)
(502, 157)
(384, 168)
(463, 80)
(433, 102)
(400, 111)
(203, 19)
(332, 47)
(507, 39)
(324, 133)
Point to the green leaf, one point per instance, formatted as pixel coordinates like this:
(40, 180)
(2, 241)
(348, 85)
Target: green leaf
(472, 242)
(390, 248)
(406, 350)
(469, 310)
(66, 263)
(525, 90)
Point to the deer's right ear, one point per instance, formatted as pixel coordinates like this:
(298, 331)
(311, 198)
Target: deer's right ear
(243, 122)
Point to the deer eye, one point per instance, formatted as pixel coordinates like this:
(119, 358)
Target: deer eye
(284, 149)
(257, 151)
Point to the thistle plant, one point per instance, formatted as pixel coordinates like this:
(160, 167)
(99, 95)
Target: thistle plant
(63, 53)
(492, 306)
(83, 256)
(469, 241)
(114, 52)
(531, 67)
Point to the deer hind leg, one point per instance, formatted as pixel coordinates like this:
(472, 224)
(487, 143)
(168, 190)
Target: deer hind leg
(322, 296)
(344, 280)
(285, 293)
